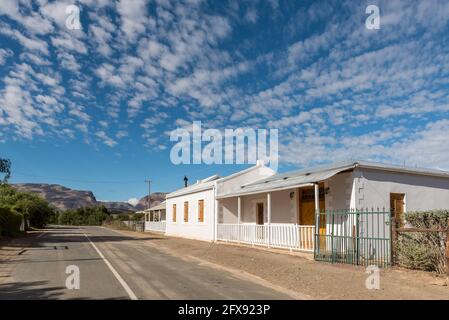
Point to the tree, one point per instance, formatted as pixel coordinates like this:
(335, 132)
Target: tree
(5, 167)
(93, 216)
(32, 207)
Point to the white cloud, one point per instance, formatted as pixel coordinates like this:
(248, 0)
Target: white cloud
(133, 201)
(33, 44)
(4, 55)
(251, 15)
(134, 17)
(105, 139)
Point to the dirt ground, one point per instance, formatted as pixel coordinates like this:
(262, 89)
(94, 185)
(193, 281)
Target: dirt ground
(300, 273)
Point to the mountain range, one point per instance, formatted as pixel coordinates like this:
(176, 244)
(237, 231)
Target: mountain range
(65, 198)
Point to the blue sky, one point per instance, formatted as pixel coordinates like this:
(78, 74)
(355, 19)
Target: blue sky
(93, 108)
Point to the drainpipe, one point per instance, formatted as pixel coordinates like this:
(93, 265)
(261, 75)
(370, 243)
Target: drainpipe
(239, 215)
(269, 217)
(215, 212)
(317, 214)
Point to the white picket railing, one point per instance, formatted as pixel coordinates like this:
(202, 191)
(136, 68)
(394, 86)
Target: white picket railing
(158, 226)
(289, 236)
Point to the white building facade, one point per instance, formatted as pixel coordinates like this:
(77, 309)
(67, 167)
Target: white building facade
(192, 211)
(258, 207)
(281, 211)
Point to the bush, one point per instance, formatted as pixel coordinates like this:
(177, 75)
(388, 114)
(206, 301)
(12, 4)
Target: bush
(423, 250)
(33, 208)
(92, 216)
(9, 222)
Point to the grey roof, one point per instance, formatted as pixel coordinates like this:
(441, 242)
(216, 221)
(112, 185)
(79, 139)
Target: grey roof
(160, 206)
(201, 185)
(309, 176)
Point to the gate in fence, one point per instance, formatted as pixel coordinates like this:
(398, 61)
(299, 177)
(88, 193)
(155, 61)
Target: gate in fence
(359, 237)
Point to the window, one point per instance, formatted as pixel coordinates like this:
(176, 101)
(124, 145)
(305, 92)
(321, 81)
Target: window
(200, 210)
(174, 213)
(186, 211)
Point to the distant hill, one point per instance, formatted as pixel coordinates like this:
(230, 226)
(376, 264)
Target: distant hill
(118, 207)
(156, 198)
(65, 198)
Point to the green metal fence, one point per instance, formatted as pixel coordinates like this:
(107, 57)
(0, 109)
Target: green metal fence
(360, 237)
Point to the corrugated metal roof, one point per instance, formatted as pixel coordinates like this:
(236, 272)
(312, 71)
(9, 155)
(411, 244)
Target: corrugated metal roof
(286, 181)
(404, 169)
(305, 177)
(160, 206)
(202, 185)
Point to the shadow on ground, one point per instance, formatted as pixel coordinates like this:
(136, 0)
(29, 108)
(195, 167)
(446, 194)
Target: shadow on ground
(36, 290)
(57, 235)
(29, 290)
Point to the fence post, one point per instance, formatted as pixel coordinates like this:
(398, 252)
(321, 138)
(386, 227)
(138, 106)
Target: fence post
(394, 237)
(447, 248)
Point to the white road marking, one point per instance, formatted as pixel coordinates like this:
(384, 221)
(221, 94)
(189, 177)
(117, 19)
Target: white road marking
(125, 286)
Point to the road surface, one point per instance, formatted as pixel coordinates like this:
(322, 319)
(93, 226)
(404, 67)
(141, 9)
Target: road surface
(116, 266)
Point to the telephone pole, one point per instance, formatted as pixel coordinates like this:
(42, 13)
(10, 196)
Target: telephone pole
(149, 192)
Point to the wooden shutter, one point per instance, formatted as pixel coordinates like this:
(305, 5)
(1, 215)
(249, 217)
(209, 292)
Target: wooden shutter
(186, 211)
(201, 210)
(174, 213)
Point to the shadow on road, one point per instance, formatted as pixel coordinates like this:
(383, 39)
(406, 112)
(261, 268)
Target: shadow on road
(62, 234)
(37, 290)
(29, 290)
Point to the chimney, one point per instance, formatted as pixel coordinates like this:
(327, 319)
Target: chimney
(185, 181)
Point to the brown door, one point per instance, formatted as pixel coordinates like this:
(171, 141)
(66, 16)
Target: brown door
(307, 214)
(307, 205)
(397, 207)
(259, 213)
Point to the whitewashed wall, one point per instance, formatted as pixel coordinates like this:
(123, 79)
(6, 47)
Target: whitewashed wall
(340, 194)
(373, 189)
(234, 182)
(283, 207)
(192, 229)
(227, 212)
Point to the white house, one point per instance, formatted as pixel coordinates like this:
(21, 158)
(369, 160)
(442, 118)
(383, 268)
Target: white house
(192, 211)
(320, 209)
(155, 218)
(281, 210)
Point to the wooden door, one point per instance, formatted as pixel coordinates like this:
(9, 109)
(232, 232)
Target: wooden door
(259, 213)
(307, 206)
(307, 214)
(397, 204)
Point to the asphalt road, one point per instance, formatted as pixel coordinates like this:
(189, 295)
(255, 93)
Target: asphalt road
(115, 266)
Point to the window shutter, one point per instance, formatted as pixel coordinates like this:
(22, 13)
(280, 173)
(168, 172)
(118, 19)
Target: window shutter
(201, 210)
(186, 211)
(174, 213)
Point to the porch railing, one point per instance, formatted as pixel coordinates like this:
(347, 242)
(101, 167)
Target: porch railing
(158, 226)
(288, 236)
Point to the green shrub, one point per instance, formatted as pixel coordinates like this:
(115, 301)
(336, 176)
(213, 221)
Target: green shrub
(93, 216)
(423, 250)
(32, 207)
(9, 222)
